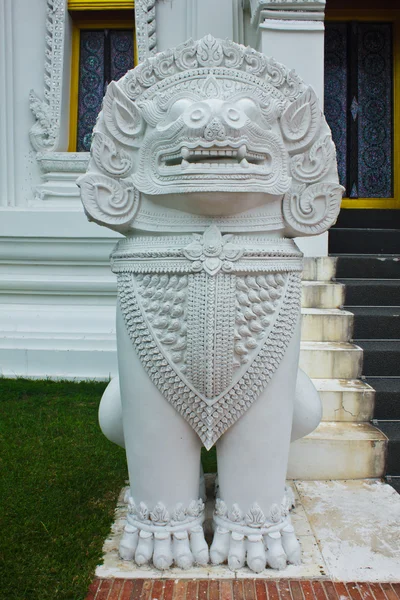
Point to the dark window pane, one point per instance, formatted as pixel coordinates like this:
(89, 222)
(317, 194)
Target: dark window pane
(121, 42)
(91, 85)
(104, 55)
(375, 110)
(336, 91)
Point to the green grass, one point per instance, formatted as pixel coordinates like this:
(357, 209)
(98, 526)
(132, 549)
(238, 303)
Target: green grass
(59, 482)
(60, 478)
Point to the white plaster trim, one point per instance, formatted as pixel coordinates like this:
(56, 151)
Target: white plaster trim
(146, 36)
(291, 15)
(45, 133)
(284, 25)
(7, 147)
(257, 6)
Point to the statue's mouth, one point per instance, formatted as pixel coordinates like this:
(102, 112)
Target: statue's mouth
(215, 158)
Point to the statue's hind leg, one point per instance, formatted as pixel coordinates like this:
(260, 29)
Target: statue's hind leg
(251, 524)
(163, 454)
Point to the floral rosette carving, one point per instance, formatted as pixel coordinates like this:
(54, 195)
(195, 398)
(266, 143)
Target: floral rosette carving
(212, 252)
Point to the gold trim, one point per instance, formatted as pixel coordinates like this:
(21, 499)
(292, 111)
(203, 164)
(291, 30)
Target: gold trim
(100, 4)
(391, 16)
(75, 57)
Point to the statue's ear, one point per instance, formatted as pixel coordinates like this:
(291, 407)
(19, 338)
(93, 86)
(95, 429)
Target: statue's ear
(108, 201)
(301, 121)
(122, 117)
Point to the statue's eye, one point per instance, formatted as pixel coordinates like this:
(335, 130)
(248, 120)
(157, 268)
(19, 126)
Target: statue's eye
(197, 115)
(233, 114)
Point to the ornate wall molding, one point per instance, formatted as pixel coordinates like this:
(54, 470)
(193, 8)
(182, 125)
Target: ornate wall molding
(7, 150)
(44, 134)
(146, 36)
(294, 9)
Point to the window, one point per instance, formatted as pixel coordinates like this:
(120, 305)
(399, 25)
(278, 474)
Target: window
(362, 109)
(103, 49)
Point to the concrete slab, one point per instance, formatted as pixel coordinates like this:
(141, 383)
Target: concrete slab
(357, 527)
(348, 530)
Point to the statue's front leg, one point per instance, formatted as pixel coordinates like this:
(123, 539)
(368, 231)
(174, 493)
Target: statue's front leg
(251, 521)
(165, 514)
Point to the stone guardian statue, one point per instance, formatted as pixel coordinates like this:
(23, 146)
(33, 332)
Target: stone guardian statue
(210, 158)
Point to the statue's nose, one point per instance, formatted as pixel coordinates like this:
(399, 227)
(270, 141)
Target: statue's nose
(215, 130)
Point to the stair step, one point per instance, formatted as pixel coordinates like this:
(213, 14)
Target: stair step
(376, 322)
(383, 266)
(381, 357)
(326, 325)
(372, 292)
(392, 431)
(364, 241)
(339, 451)
(320, 268)
(331, 360)
(345, 400)
(322, 294)
(387, 396)
(369, 218)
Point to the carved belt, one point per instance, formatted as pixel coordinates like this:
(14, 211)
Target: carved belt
(210, 318)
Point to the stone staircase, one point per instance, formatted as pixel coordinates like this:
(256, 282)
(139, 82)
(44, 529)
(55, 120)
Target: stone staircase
(368, 263)
(345, 445)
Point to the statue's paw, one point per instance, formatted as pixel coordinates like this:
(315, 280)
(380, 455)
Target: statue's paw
(199, 546)
(220, 546)
(162, 555)
(256, 555)
(144, 549)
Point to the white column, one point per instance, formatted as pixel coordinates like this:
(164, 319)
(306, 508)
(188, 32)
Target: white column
(7, 145)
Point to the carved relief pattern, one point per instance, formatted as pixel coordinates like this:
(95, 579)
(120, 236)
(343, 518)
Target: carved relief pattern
(140, 515)
(209, 414)
(145, 20)
(47, 112)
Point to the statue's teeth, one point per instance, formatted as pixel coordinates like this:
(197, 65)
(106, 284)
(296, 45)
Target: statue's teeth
(184, 164)
(185, 153)
(244, 164)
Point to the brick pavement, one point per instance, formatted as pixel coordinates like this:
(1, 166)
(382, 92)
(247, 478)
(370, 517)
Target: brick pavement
(239, 589)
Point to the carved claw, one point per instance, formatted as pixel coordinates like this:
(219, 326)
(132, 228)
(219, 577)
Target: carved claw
(128, 542)
(291, 545)
(144, 550)
(220, 546)
(198, 546)
(181, 550)
(162, 556)
(256, 556)
(276, 556)
(237, 551)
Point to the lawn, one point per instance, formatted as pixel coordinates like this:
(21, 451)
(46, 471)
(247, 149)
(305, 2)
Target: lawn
(60, 478)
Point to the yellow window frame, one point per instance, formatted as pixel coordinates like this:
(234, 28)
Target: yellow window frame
(79, 24)
(388, 16)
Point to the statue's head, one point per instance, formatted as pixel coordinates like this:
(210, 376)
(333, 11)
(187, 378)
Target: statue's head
(211, 127)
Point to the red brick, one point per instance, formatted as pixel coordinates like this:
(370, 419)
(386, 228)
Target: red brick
(284, 590)
(168, 589)
(146, 589)
(203, 590)
(132, 589)
(330, 590)
(249, 589)
(295, 589)
(238, 590)
(342, 591)
(396, 587)
(365, 591)
(261, 590)
(377, 591)
(104, 589)
(226, 591)
(116, 589)
(389, 591)
(191, 590)
(179, 589)
(354, 591)
(307, 590)
(272, 590)
(213, 590)
(158, 589)
(319, 591)
(92, 591)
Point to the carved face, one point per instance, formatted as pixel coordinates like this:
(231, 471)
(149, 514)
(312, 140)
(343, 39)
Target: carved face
(212, 136)
(212, 128)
